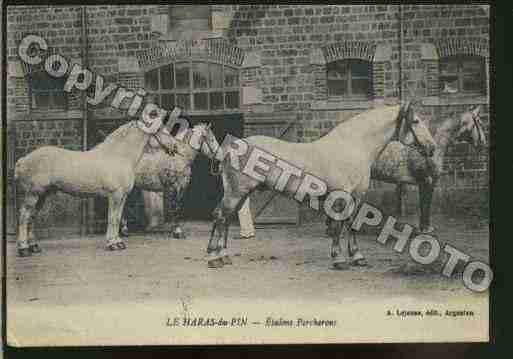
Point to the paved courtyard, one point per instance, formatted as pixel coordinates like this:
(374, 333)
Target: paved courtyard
(75, 292)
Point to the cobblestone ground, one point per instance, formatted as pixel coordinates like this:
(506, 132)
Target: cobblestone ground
(77, 289)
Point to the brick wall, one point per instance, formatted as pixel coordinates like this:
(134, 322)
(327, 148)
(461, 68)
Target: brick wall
(285, 50)
(291, 79)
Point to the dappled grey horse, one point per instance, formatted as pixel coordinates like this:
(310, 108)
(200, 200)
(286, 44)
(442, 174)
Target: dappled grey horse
(342, 160)
(403, 164)
(163, 169)
(107, 170)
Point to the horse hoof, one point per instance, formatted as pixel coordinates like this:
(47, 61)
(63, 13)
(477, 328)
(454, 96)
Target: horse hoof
(116, 246)
(123, 234)
(24, 252)
(179, 235)
(362, 262)
(215, 263)
(34, 248)
(227, 260)
(341, 266)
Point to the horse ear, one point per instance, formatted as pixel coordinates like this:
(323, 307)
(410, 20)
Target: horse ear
(476, 110)
(209, 125)
(176, 112)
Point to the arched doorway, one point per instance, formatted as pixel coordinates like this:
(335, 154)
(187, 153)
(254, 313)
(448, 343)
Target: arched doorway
(207, 91)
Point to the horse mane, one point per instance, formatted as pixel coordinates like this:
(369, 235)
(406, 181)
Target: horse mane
(119, 132)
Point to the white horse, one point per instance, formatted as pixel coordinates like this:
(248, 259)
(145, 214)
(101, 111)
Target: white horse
(107, 170)
(342, 159)
(159, 170)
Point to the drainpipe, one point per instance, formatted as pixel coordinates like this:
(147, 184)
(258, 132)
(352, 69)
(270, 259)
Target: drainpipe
(401, 44)
(84, 54)
(400, 188)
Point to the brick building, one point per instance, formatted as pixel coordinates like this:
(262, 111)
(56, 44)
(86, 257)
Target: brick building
(252, 69)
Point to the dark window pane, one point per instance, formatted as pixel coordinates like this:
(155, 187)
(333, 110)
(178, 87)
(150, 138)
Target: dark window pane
(472, 65)
(360, 69)
(232, 100)
(200, 75)
(337, 69)
(337, 87)
(151, 79)
(216, 101)
(201, 101)
(360, 87)
(473, 83)
(231, 77)
(183, 101)
(182, 75)
(449, 66)
(59, 101)
(156, 98)
(449, 84)
(168, 101)
(216, 76)
(42, 100)
(167, 81)
(42, 81)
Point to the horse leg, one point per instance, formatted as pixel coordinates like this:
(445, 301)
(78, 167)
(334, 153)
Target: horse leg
(221, 225)
(226, 258)
(116, 204)
(338, 230)
(214, 257)
(356, 258)
(176, 217)
(123, 230)
(425, 200)
(32, 240)
(25, 215)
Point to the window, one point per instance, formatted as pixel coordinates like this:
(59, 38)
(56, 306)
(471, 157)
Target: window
(47, 92)
(197, 86)
(349, 79)
(462, 75)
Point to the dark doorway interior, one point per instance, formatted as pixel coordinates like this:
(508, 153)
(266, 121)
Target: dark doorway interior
(206, 190)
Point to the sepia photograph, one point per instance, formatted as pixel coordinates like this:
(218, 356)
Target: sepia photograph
(247, 174)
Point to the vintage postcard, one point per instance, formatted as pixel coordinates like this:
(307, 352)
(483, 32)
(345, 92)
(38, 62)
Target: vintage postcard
(247, 174)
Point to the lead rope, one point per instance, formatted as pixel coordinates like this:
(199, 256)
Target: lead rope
(215, 165)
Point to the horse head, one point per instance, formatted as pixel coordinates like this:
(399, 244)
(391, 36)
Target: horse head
(152, 118)
(413, 131)
(208, 141)
(162, 139)
(470, 128)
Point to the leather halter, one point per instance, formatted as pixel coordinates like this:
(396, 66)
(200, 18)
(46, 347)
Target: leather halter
(476, 123)
(400, 123)
(170, 151)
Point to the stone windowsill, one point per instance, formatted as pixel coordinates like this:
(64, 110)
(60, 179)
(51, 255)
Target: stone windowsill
(342, 105)
(445, 101)
(52, 115)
